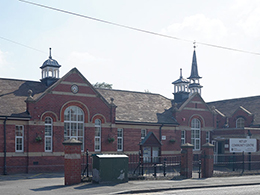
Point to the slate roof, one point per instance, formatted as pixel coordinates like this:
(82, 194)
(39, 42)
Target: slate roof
(14, 92)
(131, 106)
(140, 107)
(194, 68)
(228, 107)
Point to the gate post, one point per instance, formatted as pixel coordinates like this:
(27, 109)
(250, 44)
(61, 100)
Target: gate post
(72, 161)
(207, 160)
(186, 160)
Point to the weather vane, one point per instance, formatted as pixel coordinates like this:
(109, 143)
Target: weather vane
(194, 44)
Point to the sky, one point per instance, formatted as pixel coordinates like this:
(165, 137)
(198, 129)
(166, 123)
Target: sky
(133, 60)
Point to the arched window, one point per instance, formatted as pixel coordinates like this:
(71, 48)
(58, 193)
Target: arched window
(240, 122)
(97, 135)
(195, 133)
(74, 124)
(48, 134)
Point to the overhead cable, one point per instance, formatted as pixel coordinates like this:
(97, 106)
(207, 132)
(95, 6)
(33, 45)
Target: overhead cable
(137, 29)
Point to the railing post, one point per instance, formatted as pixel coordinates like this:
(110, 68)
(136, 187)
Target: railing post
(249, 161)
(199, 168)
(140, 162)
(234, 159)
(154, 167)
(243, 164)
(164, 167)
(87, 161)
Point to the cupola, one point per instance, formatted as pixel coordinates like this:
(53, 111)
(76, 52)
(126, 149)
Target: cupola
(50, 71)
(181, 90)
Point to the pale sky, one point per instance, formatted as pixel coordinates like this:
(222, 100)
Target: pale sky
(132, 60)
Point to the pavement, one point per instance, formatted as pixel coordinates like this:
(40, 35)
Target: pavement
(53, 183)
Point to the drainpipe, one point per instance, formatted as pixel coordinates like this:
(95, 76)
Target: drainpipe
(160, 132)
(5, 173)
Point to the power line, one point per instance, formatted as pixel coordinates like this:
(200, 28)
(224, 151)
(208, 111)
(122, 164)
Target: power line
(22, 45)
(137, 29)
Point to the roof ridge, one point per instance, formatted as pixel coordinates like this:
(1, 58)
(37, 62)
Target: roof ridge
(149, 93)
(19, 80)
(233, 99)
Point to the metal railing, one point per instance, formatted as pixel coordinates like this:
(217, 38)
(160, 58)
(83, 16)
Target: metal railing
(141, 166)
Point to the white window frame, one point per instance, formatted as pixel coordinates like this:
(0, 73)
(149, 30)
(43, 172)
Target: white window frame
(19, 135)
(183, 137)
(74, 122)
(207, 136)
(120, 139)
(240, 122)
(48, 124)
(97, 142)
(143, 133)
(195, 133)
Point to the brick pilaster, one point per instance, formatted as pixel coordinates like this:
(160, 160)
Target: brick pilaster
(186, 160)
(207, 160)
(72, 161)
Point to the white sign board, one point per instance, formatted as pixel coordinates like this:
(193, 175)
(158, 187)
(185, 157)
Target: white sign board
(242, 145)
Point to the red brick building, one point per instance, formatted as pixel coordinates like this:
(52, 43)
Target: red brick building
(36, 117)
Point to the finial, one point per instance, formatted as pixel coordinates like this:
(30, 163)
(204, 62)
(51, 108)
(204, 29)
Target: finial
(112, 100)
(180, 72)
(30, 93)
(50, 54)
(194, 44)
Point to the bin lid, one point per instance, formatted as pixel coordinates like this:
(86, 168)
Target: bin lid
(112, 156)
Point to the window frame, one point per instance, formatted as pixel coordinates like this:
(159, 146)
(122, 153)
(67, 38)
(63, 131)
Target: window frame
(207, 136)
(18, 137)
(195, 133)
(240, 122)
(97, 139)
(46, 137)
(120, 140)
(143, 133)
(183, 137)
(74, 123)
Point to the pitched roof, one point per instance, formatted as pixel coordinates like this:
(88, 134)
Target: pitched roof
(131, 106)
(228, 107)
(14, 92)
(151, 139)
(140, 107)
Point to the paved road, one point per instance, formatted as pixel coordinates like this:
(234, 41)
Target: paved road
(54, 184)
(237, 190)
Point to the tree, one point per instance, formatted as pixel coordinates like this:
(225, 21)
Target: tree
(147, 91)
(103, 85)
